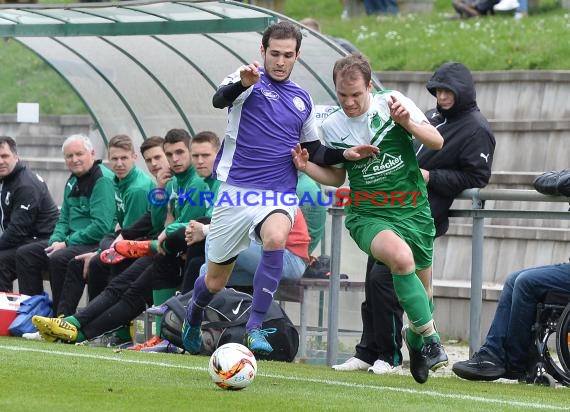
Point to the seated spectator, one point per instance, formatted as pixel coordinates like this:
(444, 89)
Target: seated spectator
(132, 186)
(473, 8)
(506, 349)
(87, 215)
(28, 210)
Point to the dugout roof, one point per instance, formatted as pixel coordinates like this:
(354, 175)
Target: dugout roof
(142, 67)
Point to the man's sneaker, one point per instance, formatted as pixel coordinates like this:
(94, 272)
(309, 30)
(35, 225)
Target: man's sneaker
(435, 355)
(381, 367)
(164, 346)
(55, 328)
(352, 364)
(111, 257)
(191, 337)
(108, 340)
(157, 310)
(38, 336)
(256, 341)
(418, 364)
(153, 341)
(481, 367)
(134, 248)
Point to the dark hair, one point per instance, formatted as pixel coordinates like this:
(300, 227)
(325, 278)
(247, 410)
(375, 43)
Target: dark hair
(207, 137)
(10, 142)
(352, 65)
(122, 141)
(177, 135)
(150, 142)
(280, 31)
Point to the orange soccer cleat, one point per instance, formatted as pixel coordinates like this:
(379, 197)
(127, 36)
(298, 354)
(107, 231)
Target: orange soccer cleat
(111, 256)
(135, 248)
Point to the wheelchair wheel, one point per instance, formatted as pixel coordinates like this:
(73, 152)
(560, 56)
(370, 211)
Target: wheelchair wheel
(563, 340)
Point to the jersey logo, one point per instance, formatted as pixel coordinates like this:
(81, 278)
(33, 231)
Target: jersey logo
(25, 207)
(377, 169)
(270, 94)
(7, 199)
(486, 157)
(299, 103)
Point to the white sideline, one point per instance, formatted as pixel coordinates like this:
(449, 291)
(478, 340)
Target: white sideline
(432, 393)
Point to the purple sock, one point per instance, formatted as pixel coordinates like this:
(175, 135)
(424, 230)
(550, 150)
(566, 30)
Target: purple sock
(265, 283)
(200, 299)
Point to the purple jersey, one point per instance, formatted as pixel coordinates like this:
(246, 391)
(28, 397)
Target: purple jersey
(264, 123)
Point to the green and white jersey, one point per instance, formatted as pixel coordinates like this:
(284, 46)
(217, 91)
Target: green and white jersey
(390, 184)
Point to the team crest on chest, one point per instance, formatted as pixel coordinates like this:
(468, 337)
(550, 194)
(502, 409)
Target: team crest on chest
(299, 103)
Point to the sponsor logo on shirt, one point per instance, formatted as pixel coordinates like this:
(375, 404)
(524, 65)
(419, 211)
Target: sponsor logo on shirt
(378, 168)
(270, 94)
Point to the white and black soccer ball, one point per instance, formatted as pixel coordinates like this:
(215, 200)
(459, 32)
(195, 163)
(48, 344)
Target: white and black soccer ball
(232, 366)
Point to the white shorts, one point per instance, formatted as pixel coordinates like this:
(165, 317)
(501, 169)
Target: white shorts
(234, 220)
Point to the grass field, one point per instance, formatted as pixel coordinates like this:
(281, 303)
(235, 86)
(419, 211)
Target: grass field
(39, 376)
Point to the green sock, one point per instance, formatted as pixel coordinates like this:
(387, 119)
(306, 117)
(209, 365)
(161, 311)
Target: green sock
(123, 333)
(415, 340)
(159, 296)
(413, 298)
(73, 320)
(154, 246)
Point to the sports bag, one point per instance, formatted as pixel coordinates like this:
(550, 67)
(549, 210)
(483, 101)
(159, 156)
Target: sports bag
(34, 305)
(224, 321)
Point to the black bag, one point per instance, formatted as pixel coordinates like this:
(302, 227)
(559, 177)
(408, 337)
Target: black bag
(224, 321)
(554, 183)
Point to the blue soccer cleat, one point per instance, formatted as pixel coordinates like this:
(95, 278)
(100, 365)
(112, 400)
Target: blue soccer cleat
(191, 337)
(256, 341)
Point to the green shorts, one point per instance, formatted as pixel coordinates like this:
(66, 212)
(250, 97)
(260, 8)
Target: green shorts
(417, 231)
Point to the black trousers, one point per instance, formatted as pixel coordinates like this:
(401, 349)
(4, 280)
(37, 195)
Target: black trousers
(7, 269)
(195, 255)
(381, 317)
(65, 273)
(100, 274)
(114, 309)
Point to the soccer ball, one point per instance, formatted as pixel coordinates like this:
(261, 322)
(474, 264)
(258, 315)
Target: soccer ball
(232, 366)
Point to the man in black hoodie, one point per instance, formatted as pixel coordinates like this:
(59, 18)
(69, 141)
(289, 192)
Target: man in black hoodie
(27, 210)
(464, 162)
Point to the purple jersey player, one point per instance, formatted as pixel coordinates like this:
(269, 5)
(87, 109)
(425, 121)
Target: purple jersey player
(268, 116)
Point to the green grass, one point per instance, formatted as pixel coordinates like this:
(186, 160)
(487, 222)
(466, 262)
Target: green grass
(408, 42)
(39, 376)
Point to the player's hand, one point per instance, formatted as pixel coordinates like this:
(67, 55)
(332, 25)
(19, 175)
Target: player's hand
(194, 232)
(162, 177)
(86, 258)
(300, 157)
(398, 112)
(360, 152)
(54, 246)
(249, 74)
(161, 238)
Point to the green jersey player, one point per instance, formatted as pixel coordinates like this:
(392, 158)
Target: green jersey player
(388, 214)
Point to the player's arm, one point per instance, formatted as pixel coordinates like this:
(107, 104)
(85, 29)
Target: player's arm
(417, 125)
(326, 156)
(330, 176)
(228, 93)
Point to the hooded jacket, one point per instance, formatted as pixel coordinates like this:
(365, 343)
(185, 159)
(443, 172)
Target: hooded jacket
(466, 157)
(27, 210)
